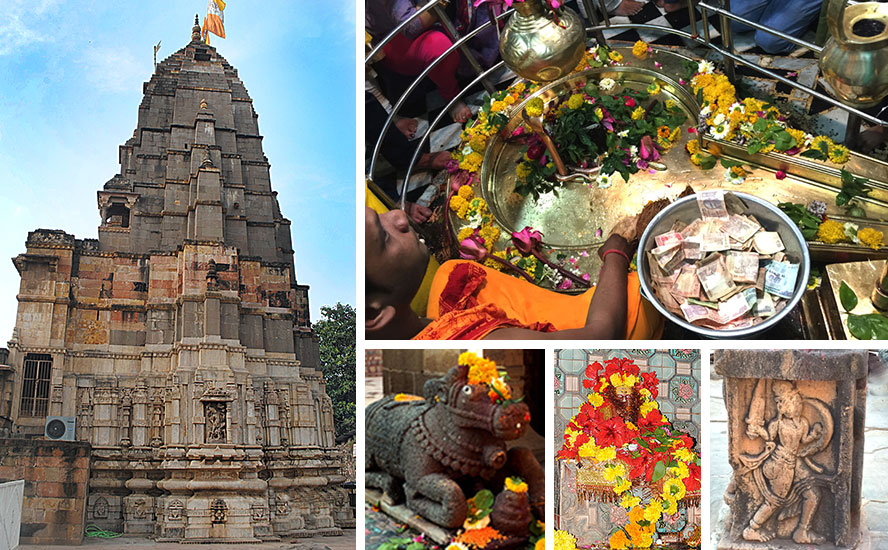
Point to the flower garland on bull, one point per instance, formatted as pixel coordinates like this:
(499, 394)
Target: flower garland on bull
(480, 233)
(622, 441)
(477, 533)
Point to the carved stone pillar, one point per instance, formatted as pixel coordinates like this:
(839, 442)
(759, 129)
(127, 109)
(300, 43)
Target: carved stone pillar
(795, 442)
(140, 415)
(272, 420)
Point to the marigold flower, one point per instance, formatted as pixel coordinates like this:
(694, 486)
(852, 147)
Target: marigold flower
(516, 485)
(498, 106)
(640, 49)
(465, 233)
(564, 540)
(523, 170)
(456, 202)
(820, 140)
(596, 400)
(654, 510)
(478, 143)
(654, 88)
(575, 101)
(674, 488)
(622, 486)
(839, 154)
(619, 541)
(871, 237)
(638, 113)
(466, 192)
(535, 106)
(615, 56)
(629, 501)
(482, 372)
(831, 232)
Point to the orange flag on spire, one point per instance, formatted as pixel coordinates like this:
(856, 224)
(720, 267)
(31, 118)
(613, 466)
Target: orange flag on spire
(215, 20)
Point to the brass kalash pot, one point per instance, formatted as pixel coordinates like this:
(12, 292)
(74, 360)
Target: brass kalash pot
(539, 45)
(855, 58)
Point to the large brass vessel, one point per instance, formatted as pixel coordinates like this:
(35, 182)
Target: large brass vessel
(855, 59)
(540, 46)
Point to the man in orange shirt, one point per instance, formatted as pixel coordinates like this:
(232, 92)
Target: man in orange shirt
(470, 301)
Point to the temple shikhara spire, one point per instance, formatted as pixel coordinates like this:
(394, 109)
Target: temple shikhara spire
(179, 342)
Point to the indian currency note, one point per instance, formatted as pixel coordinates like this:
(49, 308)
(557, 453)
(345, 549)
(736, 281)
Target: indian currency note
(740, 228)
(780, 278)
(743, 266)
(687, 285)
(693, 312)
(714, 276)
(733, 308)
(692, 230)
(668, 239)
(764, 306)
(712, 204)
(768, 242)
(714, 242)
(692, 248)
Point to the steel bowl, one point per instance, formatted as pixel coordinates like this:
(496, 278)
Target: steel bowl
(771, 218)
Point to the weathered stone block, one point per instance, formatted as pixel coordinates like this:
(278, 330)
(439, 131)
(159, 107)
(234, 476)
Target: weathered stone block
(795, 436)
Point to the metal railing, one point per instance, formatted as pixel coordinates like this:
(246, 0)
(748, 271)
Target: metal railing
(727, 52)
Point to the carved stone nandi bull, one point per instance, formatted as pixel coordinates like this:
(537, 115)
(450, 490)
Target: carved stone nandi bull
(436, 450)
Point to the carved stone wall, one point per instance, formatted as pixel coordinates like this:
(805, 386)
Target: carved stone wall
(795, 433)
(180, 341)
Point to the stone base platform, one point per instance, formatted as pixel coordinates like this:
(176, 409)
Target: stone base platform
(726, 542)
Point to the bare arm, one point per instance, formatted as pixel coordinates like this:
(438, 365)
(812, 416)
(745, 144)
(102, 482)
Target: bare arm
(606, 318)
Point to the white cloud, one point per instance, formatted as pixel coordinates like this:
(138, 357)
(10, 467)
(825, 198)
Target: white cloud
(115, 69)
(21, 24)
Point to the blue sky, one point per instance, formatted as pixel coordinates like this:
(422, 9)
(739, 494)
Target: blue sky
(71, 75)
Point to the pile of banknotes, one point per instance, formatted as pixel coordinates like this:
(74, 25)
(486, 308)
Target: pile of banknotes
(722, 271)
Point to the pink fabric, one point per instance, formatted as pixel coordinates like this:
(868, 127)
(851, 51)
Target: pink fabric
(411, 57)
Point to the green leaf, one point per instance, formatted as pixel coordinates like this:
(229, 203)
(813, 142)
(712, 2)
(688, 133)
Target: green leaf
(659, 471)
(783, 140)
(859, 327)
(813, 154)
(708, 162)
(760, 125)
(754, 147)
(872, 326)
(483, 499)
(415, 546)
(842, 198)
(847, 177)
(728, 163)
(847, 296)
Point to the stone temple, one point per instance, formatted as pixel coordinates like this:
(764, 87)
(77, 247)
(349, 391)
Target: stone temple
(179, 341)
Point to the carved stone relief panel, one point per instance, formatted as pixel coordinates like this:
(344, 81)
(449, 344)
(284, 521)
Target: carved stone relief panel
(793, 446)
(216, 413)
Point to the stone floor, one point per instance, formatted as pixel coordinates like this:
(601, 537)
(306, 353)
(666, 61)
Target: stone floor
(875, 484)
(345, 542)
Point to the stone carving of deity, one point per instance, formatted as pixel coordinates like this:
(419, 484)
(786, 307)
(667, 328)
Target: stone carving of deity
(784, 472)
(175, 509)
(100, 508)
(215, 422)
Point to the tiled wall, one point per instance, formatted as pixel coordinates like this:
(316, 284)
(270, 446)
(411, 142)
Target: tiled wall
(678, 371)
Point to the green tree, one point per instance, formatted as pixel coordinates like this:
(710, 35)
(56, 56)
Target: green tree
(336, 333)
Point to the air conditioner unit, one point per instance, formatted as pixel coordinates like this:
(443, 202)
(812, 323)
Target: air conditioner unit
(60, 428)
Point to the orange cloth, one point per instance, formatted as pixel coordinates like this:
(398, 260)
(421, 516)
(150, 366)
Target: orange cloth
(468, 301)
